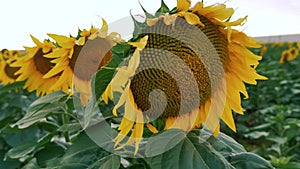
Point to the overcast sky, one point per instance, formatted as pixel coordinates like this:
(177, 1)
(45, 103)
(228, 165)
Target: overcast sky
(19, 18)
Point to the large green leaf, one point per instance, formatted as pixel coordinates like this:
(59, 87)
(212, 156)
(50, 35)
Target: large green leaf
(11, 86)
(8, 163)
(109, 162)
(42, 107)
(15, 136)
(196, 150)
(248, 160)
(32, 164)
(52, 98)
(84, 153)
(21, 150)
(49, 152)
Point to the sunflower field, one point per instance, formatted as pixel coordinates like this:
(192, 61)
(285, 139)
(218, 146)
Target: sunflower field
(187, 90)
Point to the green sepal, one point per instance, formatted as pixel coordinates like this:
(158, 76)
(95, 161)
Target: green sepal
(148, 15)
(163, 9)
(78, 34)
(138, 27)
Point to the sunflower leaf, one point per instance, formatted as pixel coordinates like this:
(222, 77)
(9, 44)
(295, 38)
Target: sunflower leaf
(21, 150)
(11, 86)
(199, 149)
(84, 153)
(42, 107)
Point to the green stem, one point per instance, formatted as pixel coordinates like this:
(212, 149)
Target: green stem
(65, 120)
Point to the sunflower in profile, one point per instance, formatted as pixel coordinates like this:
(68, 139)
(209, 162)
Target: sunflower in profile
(7, 72)
(284, 55)
(77, 59)
(263, 50)
(294, 52)
(33, 66)
(289, 55)
(175, 45)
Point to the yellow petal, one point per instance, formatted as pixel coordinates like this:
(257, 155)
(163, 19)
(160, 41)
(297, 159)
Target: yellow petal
(183, 5)
(122, 99)
(63, 41)
(36, 41)
(237, 83)
(221, 14)
(235, 23)
(60, 52)
(84, 33)
(217, 130)
(133, 63)
(141, 44)
(198, 6)
(170, 19)
(104, 29)
(152, 128)
(151, 22)
(192, 18)
(125, 130)
(228, 118)
(107, 94)
(81, 41)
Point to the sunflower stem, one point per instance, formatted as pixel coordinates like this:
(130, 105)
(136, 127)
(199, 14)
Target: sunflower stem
(65, 120)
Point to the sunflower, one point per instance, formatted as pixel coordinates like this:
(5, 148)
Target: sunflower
(289, 55)
(77, 59)
(263, 50)
(33, 66)
(298, 45)
(293, 54)
(284, 55)
(7, 73)
(220, 74)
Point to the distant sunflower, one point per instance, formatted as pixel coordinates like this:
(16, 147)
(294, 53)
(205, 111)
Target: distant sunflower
(298, 45)
(294, 52)
(289, 55)
(284, 55)
(7, 73)
(33, 66)
(216, 102)
(263, 50)
(93, 45)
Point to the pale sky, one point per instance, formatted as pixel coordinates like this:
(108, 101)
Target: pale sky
(20, 18)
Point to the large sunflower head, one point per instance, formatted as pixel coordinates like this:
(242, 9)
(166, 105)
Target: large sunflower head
(7, 72)
(78, 58)
(33, 66)
(188, 67)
